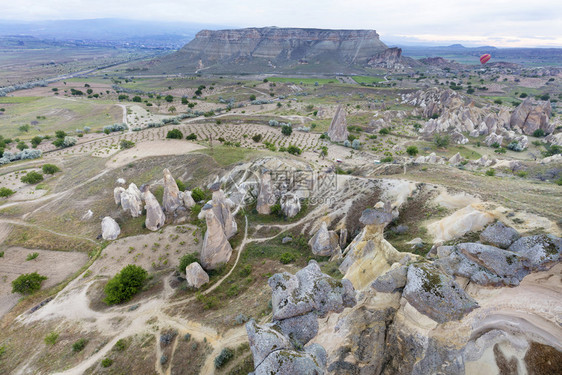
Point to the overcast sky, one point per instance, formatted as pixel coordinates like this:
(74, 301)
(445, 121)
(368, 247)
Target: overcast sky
(502, 23)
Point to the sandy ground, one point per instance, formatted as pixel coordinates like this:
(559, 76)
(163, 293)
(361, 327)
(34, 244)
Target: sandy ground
(148, 250)
(150, 149)
(56, 265)
(23, 191)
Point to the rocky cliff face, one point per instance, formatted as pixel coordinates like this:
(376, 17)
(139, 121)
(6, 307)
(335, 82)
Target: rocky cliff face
(272, 47)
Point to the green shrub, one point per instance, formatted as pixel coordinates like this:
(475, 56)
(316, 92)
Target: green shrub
(538, 133)
(32, 178)
(28, 283)
(276, 210)
(256, 138)
(441, 140)
(186, 260)
(32, 256)
(5, 192)
(1, 254)
(498, 101)
(199, 195)
(387, 159)
(180, 184)
(51, 338)
(125, 144)
(50, 169)
(559, 181)
(222, 359)
(522, 174)
(123, 286)
(106, 362)
(490, 172)
(60, 134)
(384, 131)
(174, 134)
(287, 258)
(246, 270)
(79, 345)
(294, 150)
(287, 130)
(120, 345)
(412, 150)
(500, 150)
(191, 137)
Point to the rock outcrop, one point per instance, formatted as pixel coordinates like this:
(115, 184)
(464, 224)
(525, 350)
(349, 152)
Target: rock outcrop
(109, 229)
(131, 200)
(527, 117)
(195, 275)
(266, 199)
(221, 209)
(499, 235)
(155, 217)
(369, 255)
(117, 194)
(325, 242)
(187, 199)
(298, 300)
(338, 127)
(436, 294)
(389, 58)
(216, 248)
(171, 198)
(290, 205)
(268, 48)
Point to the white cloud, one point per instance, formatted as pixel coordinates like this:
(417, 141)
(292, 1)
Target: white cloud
(479, 21)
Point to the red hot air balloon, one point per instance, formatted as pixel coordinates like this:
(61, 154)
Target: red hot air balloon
(485, 58)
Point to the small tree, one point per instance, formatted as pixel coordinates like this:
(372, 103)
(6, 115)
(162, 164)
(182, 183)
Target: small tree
(412, 150)
(191, 137)
(172, 109)
(125, 284)
(35, 141)
(32, 178)
(186, 260)
(50, 169)
(252, 97)
(287, 130)
(441, 140)
(538, 133)
(125, 144)
(169, 98)
(28, 283)
(256, 138)
(5, 192)
(174, 134)
(294, 150)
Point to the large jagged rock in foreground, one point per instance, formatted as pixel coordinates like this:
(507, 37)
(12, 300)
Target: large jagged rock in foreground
(527, 118)
(195, 275)
(325, 242)
(216, 248)
(171, 199)
(499, 235)
(338, 127)
(298, 300)
(369, 255)
(109, 229)
(309, 290)
(155, 217)
(436, 294)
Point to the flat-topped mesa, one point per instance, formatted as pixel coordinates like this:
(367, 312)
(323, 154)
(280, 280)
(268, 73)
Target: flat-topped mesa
(275, 43)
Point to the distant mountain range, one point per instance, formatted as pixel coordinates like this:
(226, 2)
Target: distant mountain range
(171, 34)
